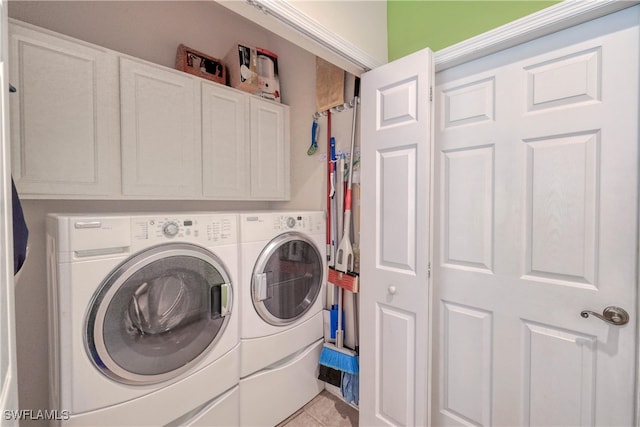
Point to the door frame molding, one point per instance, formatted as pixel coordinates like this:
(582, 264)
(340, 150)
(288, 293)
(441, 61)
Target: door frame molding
(315, 37)
(546, 21)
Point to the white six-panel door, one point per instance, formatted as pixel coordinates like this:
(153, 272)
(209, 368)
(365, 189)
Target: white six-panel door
(535, 220)
(396, 157)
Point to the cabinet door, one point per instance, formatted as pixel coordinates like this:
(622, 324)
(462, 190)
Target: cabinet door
(160, 119)
(225, 146)
(269, 150)
(64, 115)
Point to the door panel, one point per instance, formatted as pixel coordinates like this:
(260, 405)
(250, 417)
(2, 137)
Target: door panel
(396, 347)
(468, 178)
(562, 392)
(468, 331)
(396, 195)
(561, 176)
(536, 182)
(396, 125)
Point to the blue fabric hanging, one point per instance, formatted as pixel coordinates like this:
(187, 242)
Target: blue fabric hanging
(350, 387)
(20, 231)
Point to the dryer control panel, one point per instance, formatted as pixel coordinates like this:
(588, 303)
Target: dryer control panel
(309, 223)
(266, 225)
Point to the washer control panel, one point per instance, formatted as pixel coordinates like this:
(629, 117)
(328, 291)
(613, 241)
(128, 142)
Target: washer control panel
(195, 228)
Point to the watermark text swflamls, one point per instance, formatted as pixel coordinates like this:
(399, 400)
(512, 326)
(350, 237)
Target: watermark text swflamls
(36, 415)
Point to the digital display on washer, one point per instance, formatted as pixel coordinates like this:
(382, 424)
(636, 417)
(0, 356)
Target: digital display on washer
(188, 223)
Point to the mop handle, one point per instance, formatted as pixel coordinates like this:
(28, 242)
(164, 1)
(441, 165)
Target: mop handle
(347, 198)
(356, 93)
(328, 225)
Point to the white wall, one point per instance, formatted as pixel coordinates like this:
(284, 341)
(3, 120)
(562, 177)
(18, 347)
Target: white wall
(152, 31)
(355, 27)
(362, 22)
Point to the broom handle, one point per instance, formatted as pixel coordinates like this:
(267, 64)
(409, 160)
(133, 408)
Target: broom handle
(339, 331)
(356, 93)
(347, 198)
(353, 142)
(328, 227)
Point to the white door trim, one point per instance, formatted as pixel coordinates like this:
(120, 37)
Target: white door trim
(546, 21)
(318, 39)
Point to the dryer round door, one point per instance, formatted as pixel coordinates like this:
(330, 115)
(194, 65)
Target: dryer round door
(287, 279)
(158, 313)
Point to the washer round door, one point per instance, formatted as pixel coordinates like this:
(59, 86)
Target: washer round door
(287, 279)
(158, 313)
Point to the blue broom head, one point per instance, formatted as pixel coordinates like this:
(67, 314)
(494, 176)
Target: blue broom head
(339, 358)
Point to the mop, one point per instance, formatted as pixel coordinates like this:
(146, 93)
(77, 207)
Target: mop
(335, 355)
(329, 374)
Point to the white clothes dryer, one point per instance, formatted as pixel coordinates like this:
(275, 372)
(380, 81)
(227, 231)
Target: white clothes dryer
(144, 328)
(282, 287)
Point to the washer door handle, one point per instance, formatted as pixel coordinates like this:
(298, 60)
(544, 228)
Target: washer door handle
(260, 287)
(220, 300)
(225, 299)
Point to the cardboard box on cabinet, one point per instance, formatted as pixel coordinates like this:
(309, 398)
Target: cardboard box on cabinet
(253, 70)
(268, 80)
(242, 66)
(193, 62)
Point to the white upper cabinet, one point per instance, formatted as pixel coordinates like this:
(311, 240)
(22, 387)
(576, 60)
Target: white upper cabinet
(225, 143)
(64, 115)
(269, 150)
(89, 122)
(160, 118)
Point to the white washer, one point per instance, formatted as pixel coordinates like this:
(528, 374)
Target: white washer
(144, 328)
(282, 287)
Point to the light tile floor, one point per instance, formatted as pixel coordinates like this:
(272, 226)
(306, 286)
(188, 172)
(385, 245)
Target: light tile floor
(325, 410)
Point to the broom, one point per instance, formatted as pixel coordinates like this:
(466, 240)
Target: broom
(335, 355)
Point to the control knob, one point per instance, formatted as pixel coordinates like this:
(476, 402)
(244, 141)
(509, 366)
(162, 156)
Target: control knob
(170, 229)
(291, 222)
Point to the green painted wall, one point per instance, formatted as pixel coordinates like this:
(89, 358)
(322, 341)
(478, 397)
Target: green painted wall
(416, 24)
